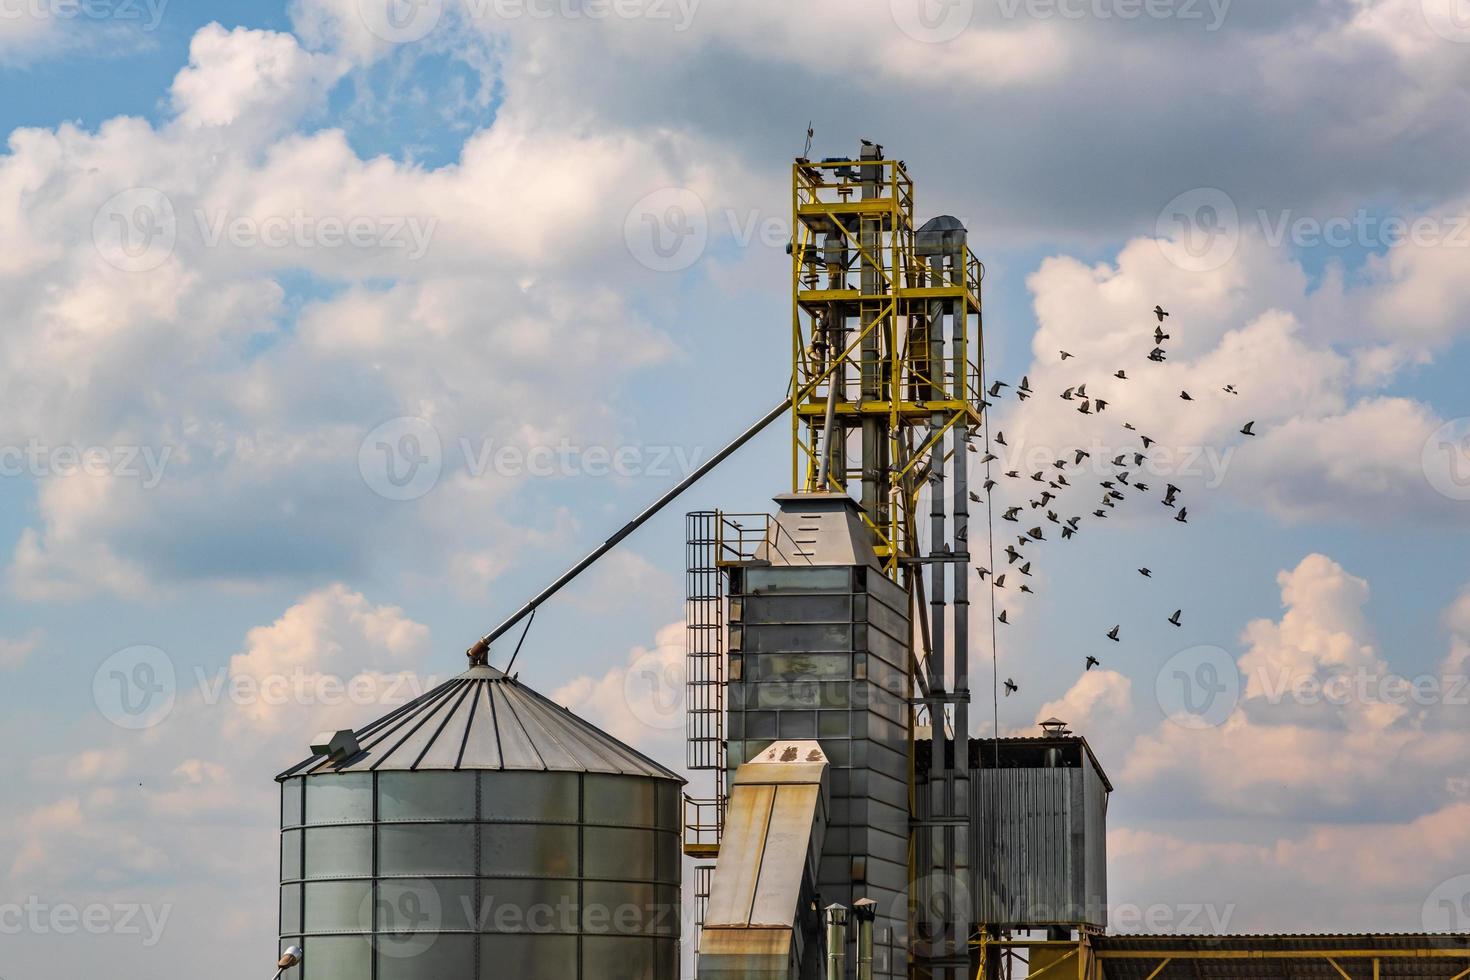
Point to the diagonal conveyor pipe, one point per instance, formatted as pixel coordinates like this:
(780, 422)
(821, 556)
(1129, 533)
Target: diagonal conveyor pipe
(481, 650)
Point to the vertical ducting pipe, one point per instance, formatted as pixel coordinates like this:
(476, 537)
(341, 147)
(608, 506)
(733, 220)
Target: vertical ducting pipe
(836, 942)
(865, 911)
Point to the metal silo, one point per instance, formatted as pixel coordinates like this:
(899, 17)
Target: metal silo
(480, 832)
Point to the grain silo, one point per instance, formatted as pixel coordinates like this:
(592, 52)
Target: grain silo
(478, 829)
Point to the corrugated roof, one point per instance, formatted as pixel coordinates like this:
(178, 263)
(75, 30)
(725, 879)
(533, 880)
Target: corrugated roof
(1401, 956)
(483, 719)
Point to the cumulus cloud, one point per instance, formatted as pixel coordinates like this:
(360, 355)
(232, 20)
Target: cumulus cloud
(640, 701)
(1331, 730)
(261, 407)
(139, 809)
(1327, 445)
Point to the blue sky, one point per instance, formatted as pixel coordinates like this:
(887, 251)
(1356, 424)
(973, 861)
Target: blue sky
(526, 150)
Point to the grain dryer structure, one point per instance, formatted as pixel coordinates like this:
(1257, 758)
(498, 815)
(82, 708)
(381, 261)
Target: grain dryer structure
(842, 822)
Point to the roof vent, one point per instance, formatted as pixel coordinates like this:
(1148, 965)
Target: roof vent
(1055, 728)
(336, 746)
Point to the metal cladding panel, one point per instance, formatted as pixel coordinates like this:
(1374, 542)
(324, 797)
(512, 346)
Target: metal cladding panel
(1041, 836)
(495, 873)
(747, 818)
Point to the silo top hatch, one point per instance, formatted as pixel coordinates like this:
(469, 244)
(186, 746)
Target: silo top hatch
(483, 719)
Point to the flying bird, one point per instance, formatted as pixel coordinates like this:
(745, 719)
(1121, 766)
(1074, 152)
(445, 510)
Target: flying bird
(1099, 404)
(1160, 336)
(1012, 554)
(983, 572)
(995, 388)
(1121, 376)
(1000, 581)
(1067, 395)
(1000, 439)
(1175, 618)
(974, 497)
(1010, 515)
(1025, 569)
(1085, 408)
(1160, 312)
(1035, 532)
(1002, 618)
(1145, 572)
(1170, 492)
(1230, 390)
(1081, 455)
(1184, 396)
(1093, 662)
(1245, 430)
(1065, 355)
(1113, 634)
(1011, 687)
(1023, 391)
(1183, 517)
(1157, 355)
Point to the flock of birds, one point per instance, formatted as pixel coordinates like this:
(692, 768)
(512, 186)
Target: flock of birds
(1052, 485)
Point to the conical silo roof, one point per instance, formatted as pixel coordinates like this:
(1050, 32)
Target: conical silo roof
(483, 719)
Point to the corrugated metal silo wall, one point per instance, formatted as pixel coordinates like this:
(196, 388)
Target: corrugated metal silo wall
(1041, 855)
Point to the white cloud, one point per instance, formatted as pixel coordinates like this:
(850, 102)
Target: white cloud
(250, 81)
(640, 701)
(1328, 726)
(1326, 446)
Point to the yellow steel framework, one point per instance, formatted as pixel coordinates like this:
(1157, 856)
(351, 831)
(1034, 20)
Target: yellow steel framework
(863, 294)
(1088, 957)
